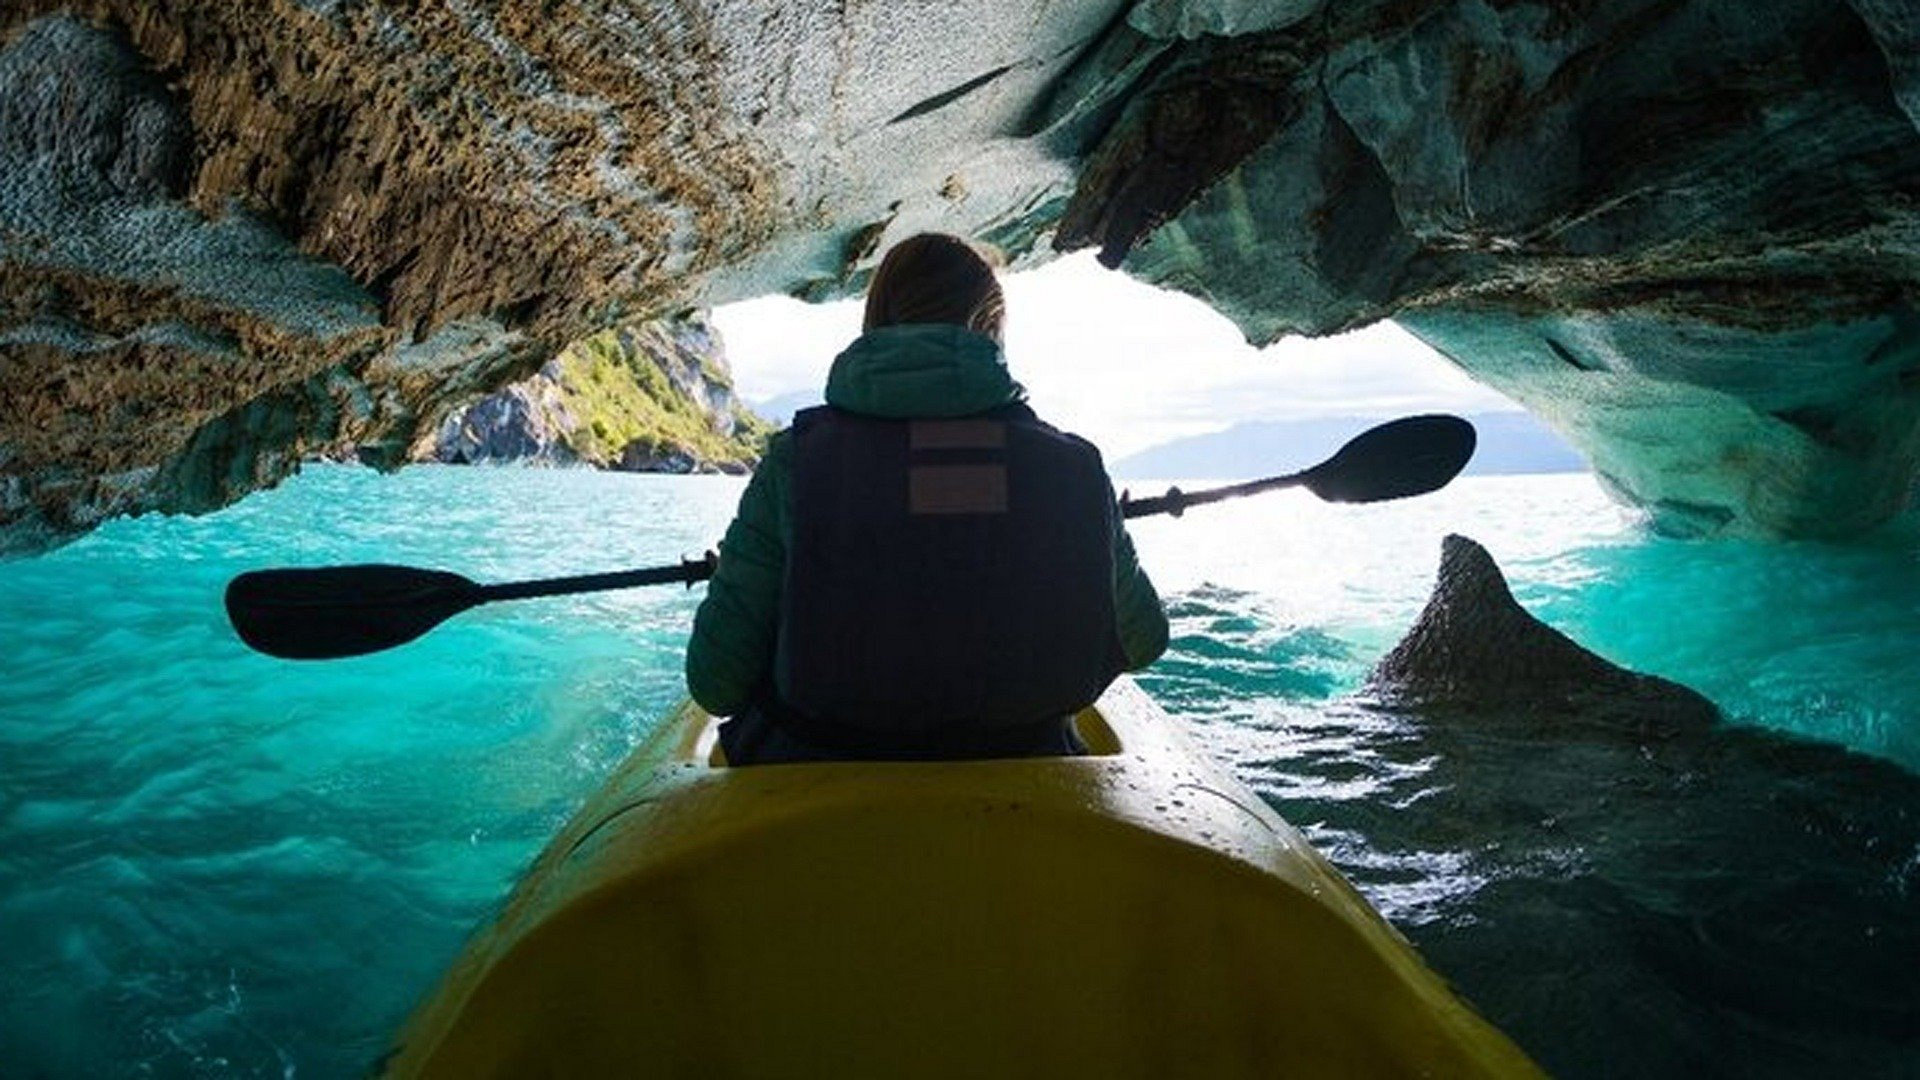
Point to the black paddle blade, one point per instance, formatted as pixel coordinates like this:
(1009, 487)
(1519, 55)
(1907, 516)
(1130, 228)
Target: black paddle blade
(333, 611)
(1411, 456)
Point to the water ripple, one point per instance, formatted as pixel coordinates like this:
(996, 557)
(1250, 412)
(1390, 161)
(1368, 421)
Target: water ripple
(214, 864)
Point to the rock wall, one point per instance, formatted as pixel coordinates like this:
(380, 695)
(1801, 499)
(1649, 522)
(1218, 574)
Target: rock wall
(1682, 233)
(652, 397)
(233, 235)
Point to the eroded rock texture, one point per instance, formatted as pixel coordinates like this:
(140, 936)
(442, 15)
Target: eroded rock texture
(233, 235)
(1683, 233)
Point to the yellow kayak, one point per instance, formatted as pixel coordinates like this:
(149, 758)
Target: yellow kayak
(1136, 912)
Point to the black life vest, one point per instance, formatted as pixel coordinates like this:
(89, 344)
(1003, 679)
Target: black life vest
(945, 575)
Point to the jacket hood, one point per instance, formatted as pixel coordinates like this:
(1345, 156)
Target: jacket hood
(921, 370)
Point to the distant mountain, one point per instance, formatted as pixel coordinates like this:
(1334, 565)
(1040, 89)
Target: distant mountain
(779, 409)
(1510, 442)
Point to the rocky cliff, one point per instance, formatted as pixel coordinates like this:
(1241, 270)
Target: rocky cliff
(650, 397)
(1684, 232)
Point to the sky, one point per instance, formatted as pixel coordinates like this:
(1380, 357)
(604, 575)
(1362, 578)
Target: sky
(1127, 365)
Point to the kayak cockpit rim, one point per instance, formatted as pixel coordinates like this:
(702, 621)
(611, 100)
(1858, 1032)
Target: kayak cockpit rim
(701, 743)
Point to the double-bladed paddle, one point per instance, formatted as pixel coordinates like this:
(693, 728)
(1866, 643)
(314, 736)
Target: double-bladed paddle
(326, 612)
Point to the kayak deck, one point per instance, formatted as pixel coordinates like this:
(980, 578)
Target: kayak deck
(1135, 912)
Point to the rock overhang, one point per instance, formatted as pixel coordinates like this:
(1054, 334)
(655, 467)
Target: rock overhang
(374, 213)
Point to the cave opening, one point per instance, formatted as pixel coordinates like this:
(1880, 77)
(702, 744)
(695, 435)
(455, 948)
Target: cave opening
(1166, 387)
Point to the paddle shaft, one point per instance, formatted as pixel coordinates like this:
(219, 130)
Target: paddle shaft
(693, 571)
(1175, 502)
(689, 571)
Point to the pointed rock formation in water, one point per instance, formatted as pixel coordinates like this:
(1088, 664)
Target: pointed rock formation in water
(1475, 648)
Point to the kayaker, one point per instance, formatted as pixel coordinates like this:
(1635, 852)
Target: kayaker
(921, 568)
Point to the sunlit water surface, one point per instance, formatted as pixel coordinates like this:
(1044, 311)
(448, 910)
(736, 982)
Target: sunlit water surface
(216, 864)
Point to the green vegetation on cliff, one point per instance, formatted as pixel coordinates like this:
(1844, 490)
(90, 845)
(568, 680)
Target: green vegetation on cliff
(647, 397)
(623, 402)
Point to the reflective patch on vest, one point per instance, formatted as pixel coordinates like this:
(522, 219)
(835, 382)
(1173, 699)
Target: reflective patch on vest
(957, 489)
(956, 434)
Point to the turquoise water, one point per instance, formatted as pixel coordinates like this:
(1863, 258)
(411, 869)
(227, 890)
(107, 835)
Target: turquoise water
(215, 864)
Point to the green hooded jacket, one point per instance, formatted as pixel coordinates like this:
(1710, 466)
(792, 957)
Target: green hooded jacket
(919, 371)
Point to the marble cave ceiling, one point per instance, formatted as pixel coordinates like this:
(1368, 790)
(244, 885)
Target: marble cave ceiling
(236, 235)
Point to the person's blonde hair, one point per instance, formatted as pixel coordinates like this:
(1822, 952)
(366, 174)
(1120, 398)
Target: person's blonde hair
(936, 278)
